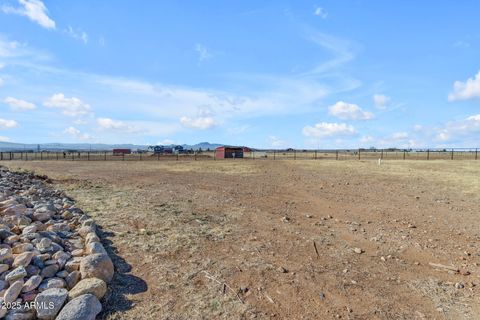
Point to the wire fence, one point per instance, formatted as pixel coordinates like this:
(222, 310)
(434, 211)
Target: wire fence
(290, 154)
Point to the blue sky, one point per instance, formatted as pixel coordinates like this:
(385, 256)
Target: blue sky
(304, 74)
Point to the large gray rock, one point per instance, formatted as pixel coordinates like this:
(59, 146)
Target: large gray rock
(16, 274)
(5, 253)
(84, 307)
(49, 302)
(95, 286)
(32, 283)
(95, 247)
(97, 266)
(23, 259)
(13, 291)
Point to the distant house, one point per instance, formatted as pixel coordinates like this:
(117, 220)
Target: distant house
(120, 152)
(225, 152)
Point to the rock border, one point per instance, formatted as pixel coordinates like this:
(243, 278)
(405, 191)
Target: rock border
(52, 262)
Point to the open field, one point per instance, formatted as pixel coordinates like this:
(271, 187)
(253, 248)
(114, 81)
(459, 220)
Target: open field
(277, 239)
(354, 154)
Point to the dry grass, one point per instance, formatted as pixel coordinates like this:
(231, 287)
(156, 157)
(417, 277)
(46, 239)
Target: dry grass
(461, 175)
(188, 228)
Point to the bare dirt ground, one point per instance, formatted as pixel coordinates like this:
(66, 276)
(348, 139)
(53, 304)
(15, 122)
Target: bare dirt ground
(277, 239)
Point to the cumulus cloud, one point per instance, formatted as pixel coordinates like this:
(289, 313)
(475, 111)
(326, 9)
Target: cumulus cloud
(18, 105)
(76, 134)
(199, 123)
(329, 129)
(35, 10)
(116, 125)
(4, 139)
(465, 128)
(466, 90)
(320, 12)
(349, 111)
(72, 107)
(381, 101)
(8, 124)
(77, 34)
(203, 53)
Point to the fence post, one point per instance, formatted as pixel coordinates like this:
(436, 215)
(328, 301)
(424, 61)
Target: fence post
(476, 154)
(73, 156)
(88, 156)
(274, 154)
(214, 154)
(358, 154)
(336, 154)
(123, 156)
(1, 155)
(315, 154)
(41, 155)
(105, 156)
(404, 152)
(195, 155)
(381, 156)
(428, 154)
(452, 154)
(295, 154)
(177, 156)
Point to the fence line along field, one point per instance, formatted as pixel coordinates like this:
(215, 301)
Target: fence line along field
(283, 239)
(354, 154)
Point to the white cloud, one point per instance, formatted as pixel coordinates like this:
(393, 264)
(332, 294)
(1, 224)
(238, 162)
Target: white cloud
(75, 133)
(8, 124)
(465, 129)
(165, 142)
(276, 142)
(320, 12)
(110, 124)
(417, 127)
(77, 34)
(399, 135)
(199, 123)
(118, 126)
(72, 107)
(4, 139)
(466, 90)
(341, 49)
(329, 129)
(19, 105)
(381, 101)
(8, 48)
(35, 10)
(349, 111)
(366, 139)
(203, 53)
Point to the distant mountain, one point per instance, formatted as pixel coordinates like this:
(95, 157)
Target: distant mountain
(11, 146)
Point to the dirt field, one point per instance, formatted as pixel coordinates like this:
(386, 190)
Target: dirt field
(277, 239)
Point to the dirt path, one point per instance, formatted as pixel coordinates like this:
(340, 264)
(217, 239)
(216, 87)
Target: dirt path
(277, 239)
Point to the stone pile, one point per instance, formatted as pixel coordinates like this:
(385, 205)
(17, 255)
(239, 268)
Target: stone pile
(52, 263)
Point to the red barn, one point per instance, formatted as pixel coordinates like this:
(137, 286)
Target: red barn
(119, 152)
(225, 152)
